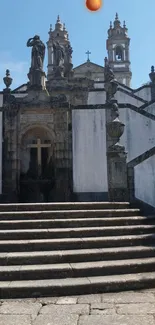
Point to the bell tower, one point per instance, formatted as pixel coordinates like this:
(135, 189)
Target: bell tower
(118, 48)
(59, 36)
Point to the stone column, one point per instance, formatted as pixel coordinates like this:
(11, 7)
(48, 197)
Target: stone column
(116, 155)
(10, 144)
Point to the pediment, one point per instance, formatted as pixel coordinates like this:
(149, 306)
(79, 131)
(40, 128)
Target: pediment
(89, 66)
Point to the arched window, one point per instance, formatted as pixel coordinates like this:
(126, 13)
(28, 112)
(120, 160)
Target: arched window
(119, 53)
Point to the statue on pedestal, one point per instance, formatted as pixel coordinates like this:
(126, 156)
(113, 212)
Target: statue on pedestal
(38, 52)
(69, 51)
(36, 74)
(59, 54)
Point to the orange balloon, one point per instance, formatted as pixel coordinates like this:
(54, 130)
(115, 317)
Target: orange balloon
(93, 5)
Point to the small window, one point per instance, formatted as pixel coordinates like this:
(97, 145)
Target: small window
(57, 34)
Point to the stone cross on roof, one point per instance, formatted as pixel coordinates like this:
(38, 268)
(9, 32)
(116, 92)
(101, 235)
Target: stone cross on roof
(88, 53)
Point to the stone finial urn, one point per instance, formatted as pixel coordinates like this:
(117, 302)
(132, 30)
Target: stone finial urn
(7, 79)
(115, 128)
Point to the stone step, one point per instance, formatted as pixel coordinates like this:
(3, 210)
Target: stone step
(75, 243)
(75, 232)
(75, 270)
(78, 222)
(76, 255)
(75, 286)
(63, 206)
(68, 214)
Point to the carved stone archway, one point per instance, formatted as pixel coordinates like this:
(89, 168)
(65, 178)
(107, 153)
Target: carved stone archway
(37, 152)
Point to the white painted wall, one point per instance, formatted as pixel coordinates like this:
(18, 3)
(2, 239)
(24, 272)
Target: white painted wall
(139, 133)
(99, 97)
(89, 151)
(144, 93)
(150, 108)
(145, 181)
(96, 97)
(1, 139)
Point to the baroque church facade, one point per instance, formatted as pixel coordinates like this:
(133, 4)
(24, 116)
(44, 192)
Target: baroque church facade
(54, 142)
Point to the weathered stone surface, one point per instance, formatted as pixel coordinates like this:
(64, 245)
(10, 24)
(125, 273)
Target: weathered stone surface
(15, 320)
(20, 307)
(137, 309)
(115, 320)
(47, 301)
(51, 319)
(87, 299)
(67, 300)
(128, 297)
(102, 309)
(55, 310)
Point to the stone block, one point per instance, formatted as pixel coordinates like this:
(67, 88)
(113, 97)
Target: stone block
(67, 300)
(87, 299)
(115, 320)
(15, 320)
(78, 309)
(102, 309)
(136, 309)
(22, 307)
(50, 319)
(128, 297)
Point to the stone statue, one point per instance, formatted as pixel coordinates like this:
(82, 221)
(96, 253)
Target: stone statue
(69, 51)
(59, 54)
(38, 52)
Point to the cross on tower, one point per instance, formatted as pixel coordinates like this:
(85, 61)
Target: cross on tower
(88, 52)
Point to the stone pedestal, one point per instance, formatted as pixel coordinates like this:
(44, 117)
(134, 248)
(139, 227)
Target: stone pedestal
(37, 79)
(117, 173)
(116, 156)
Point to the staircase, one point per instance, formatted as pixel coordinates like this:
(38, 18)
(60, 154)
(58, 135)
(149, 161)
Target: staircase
(74, 248)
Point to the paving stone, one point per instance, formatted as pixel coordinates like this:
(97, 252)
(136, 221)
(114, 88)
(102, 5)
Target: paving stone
(51, 319)
(20, 307)
(115, 320)
(47, 301)
(138, 309)
(15, 320)
(65, 309)
(67, 300)
(88, 299)
(128, 297)
(102, 309)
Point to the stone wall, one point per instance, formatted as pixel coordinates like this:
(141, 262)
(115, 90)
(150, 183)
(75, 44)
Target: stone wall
(89, 151)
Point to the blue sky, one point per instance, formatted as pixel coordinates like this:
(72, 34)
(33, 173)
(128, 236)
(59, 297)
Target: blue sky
(21, 20)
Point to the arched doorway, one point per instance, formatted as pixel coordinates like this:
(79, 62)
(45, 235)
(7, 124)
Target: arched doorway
(37, 170)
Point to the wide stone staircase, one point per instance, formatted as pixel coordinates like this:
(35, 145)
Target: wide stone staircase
(74, 248)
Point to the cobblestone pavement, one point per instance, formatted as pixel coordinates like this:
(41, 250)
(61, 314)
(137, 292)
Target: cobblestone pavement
(125, 308)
